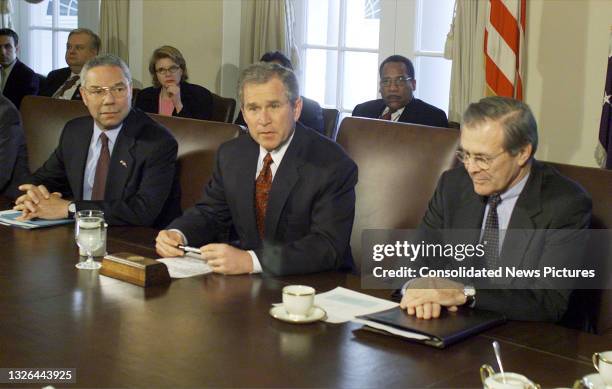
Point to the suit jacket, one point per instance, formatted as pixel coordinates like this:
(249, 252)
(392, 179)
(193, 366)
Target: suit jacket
(142, 185)
(416, 111)
(548, 202)
(55, 79)
(311, 116)
(197, 101)
(22, 81)
(13, 153)
(310, 211)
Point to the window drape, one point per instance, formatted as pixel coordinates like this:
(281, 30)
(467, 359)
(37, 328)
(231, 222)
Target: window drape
(114, 28)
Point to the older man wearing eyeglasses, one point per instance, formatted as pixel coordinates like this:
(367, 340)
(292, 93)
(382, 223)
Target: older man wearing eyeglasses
(398, 104)
(509, 200)
(117, 160)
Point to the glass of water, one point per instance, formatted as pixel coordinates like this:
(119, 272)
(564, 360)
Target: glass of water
(90, 233)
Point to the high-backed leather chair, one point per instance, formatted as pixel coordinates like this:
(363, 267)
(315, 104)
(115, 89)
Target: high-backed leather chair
(198, 141)
(223, 109)
(399, 166)
(43, 120)
(598, 182)
(330, 121)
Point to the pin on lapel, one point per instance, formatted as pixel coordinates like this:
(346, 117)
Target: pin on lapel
(123, 163)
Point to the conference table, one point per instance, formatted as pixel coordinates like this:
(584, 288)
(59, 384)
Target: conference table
(215, 330)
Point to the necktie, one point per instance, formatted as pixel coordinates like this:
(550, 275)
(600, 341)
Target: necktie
(67, 85)
(386, 116)
(97, 192)
(490, 237)
(262, 190)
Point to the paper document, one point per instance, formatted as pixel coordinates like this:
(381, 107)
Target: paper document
(392, 330)
(8, 218)
(190, 265)
(343, 304)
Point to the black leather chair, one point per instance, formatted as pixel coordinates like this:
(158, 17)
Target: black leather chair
(330, 120)
(223, 109)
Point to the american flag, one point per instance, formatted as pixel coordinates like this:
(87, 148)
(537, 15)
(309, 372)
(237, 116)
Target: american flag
(504, 46)
(604, 149)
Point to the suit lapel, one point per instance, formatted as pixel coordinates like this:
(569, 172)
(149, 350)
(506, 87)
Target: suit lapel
(521, 227)
(245, 167)
(470, 213)
(286, 177)
(122, 161)
(80, 152)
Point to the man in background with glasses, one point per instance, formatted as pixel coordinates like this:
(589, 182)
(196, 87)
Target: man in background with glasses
(82, 45)
(117, 160)
(501, 188)
(398, 104)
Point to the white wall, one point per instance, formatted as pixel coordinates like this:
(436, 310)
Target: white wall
(193, 26)
(567, 51)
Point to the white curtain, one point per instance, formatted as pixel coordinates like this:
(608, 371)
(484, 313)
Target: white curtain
(267, 25)
(114, 28)
(5, 14)
(465, 44)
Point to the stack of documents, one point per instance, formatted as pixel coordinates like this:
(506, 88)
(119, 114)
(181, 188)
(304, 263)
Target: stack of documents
(343, 304)
(8, 217)
(190, 265)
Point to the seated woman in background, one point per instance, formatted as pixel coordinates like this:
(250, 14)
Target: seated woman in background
(171, 94)
(312, 114)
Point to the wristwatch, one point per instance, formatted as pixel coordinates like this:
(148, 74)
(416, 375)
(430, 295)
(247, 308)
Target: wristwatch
(71, 209)
(470, 295)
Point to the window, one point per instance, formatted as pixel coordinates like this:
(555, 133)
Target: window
(342, 42)
(50, 21)
(340, 46)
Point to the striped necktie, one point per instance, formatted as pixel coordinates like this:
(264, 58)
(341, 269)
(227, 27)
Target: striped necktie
(490, 237)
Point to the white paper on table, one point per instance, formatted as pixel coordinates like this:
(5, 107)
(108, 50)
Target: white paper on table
(190, 265)
(342, 305)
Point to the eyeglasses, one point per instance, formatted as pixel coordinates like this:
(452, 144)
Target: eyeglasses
(163, 71)
(117, 91)
(482, 161)
(399, 81)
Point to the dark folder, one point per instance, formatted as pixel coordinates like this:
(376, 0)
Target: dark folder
(449, 328)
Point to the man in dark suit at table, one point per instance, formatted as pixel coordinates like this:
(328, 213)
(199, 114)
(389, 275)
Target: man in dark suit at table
(312, 114)
(83, 45)
(13, 153)
(524, 211)
(117, 160)
(287, 191)
(398, 104)
(16, 78)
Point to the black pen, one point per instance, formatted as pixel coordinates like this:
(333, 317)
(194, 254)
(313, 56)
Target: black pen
(189, 249)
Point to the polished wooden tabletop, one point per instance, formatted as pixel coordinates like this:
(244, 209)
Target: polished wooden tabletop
(215, 331)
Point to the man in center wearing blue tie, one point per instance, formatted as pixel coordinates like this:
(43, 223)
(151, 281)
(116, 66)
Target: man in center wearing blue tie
(501, 187)
(286, 191)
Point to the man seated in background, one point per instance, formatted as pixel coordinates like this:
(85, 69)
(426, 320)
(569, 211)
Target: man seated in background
(83, 45)
(312, 114)
(16, 78)
(288, 192)
(398, 104)
(502, 188)
(13, 154)
(117, 160)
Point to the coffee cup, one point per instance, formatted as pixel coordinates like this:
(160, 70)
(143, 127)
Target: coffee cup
(603, 363)
(298, 300)
(492, 380)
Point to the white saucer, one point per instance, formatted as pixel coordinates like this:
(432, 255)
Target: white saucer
(279, 312)
(594, 381)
